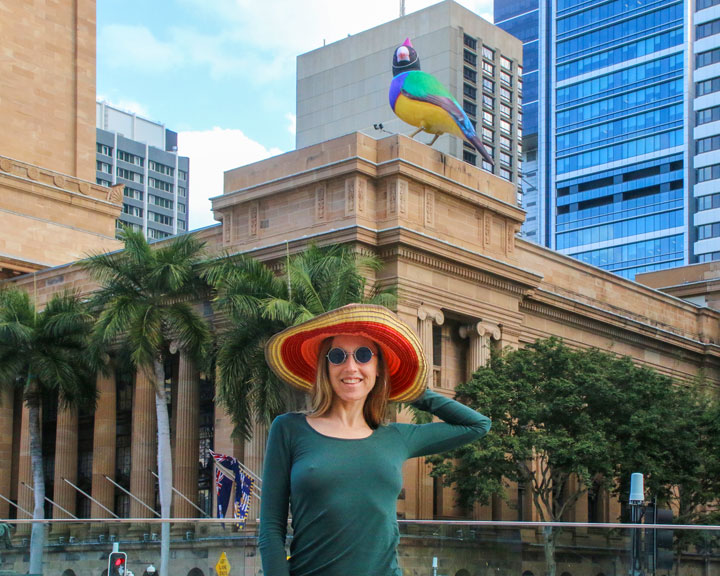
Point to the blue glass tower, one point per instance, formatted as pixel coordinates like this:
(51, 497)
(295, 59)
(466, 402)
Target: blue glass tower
(612, 129)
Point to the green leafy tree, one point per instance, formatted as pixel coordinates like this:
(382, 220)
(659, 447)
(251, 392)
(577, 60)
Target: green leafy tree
(258, 302)
(145, 302)
(43, 353)
(567, 422)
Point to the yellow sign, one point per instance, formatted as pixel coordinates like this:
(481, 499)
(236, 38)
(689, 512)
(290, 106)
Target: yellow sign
(223, 566)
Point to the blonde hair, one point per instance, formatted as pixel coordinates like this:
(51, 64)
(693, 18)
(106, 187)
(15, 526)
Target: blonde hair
(321, 397)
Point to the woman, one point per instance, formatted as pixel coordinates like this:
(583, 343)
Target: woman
(339, 467)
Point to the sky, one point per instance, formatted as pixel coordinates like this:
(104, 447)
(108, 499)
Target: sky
(221, 73)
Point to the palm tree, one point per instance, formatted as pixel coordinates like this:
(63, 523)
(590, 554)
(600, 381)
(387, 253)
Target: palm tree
(258, 303)
(43, 352)
(145, 303)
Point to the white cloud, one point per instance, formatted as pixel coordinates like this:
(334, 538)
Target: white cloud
(211, 153)
(292, 123)
(137, 48)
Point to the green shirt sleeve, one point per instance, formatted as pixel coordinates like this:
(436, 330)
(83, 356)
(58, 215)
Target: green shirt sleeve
(459, 426)
(275, 501)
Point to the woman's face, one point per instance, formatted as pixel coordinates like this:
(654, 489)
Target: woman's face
(352, 380)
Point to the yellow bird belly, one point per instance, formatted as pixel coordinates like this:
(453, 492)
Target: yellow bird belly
(429, 117)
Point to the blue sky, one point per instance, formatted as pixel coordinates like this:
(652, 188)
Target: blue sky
(221, 73)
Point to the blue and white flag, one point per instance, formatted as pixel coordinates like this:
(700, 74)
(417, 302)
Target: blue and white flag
(228, 472)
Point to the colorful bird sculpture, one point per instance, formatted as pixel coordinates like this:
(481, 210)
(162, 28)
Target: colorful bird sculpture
(421, 100)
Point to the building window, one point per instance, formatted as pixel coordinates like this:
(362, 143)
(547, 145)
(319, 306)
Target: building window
(160, 218)
(162, 202)
(709, 257)
(488, 101)
(130, 158)
(161, 168)
(505, 126)
(487, 117)
(488, 53)
(470, 42)
(505, 142)
(707, 58)
(133, 210)
(708, 231)
(505, 158)
(487, 134)
(488, 68)
(506, 78)
(181, 224)
(707, 29)
(707, 86)
(182, 192)
(707, 173)
(702, 4)
(707, 144)
(132, 193)
(129, 175)
(157, 234)
(707, 115)
(469, 57)
(504, 173)
(182, 175)
(487, 166)
(181, 208)
(103, 149)
(505, 63)
(469, 74)
(469, 157)
(160, 185)
(505, 93)
(103, 167)
(469, 91)
(105, 183)
(488, 85)
(506, 110)
(708, 202)
(469, 108)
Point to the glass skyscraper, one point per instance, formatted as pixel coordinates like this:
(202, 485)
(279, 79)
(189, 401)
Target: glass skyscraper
(627, 123)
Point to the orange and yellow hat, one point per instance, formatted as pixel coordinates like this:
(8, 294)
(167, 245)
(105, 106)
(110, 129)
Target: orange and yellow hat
(292, 354)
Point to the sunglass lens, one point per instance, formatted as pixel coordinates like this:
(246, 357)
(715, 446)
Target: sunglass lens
(336, 356)
(363, 355)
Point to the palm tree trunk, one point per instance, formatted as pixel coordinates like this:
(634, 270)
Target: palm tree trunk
(549, 534)
(164, 464)
(37, 536)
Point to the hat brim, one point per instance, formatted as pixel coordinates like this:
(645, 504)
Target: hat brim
(292, 354)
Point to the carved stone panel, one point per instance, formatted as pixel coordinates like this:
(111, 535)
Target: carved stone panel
(429, 208)
(320, 203)
(253, 215)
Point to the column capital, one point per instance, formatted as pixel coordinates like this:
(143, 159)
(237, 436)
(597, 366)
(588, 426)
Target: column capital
(480, 329)
(435, 315)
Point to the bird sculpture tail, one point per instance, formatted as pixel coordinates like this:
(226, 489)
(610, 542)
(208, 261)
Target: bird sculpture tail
(475, 141)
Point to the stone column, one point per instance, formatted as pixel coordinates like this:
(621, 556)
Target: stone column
(427, 317)
(6, 444)
(479, 335)
(143, 452)
(254, 459)
(187, 438)
(25, 497)
(66, 461)
(104, 446)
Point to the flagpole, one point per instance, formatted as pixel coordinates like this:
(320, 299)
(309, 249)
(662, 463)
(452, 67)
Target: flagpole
(129, 494)
(183, 497)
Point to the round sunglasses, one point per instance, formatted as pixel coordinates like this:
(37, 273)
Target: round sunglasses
(362, 355)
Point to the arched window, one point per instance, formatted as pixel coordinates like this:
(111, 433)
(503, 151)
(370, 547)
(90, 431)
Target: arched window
(195, 572)
(69, 572)
(528, 573)
(462, 572)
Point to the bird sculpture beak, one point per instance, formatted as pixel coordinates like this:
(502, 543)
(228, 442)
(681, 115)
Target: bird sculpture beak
(407, 43)
(402, 54)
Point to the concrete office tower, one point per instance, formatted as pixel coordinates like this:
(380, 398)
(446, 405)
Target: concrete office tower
(142, 156)
(343, 87)
(706, 132)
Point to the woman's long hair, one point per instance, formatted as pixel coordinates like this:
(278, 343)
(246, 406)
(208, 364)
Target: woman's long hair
(322, 393)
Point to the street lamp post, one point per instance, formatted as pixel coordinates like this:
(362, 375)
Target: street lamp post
(637, 502)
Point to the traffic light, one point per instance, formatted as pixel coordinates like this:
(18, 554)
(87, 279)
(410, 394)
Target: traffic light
(660, 542)
(117, 564)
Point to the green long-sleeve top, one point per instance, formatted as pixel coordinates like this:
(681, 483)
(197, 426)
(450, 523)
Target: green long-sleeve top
(343, 492)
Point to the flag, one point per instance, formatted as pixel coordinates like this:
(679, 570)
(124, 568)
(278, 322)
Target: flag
(227, 473)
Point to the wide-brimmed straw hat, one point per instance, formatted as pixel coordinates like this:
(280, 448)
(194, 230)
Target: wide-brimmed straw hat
(292, 354)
